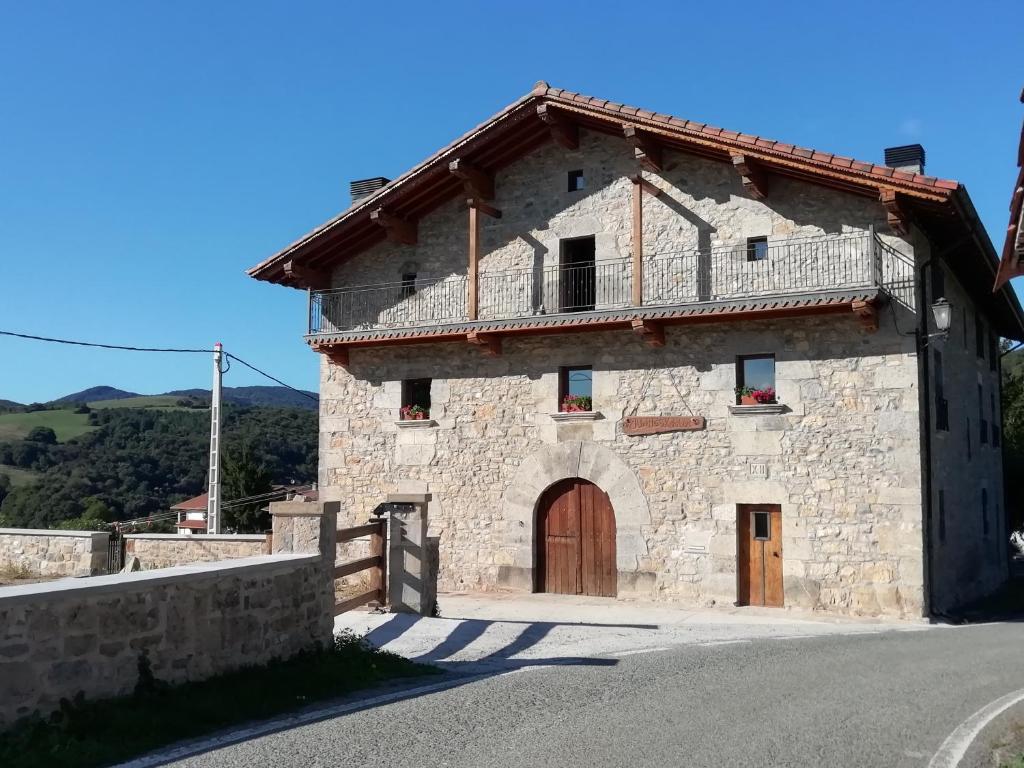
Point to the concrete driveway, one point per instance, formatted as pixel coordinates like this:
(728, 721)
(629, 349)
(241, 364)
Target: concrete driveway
(497, 631)
(600, 684)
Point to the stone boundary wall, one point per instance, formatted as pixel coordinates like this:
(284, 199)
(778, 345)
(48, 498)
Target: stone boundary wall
(54, 553)
(191, 622)
(166, 550)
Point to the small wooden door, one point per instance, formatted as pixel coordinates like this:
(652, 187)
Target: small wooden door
(759, 556)
(576, 540)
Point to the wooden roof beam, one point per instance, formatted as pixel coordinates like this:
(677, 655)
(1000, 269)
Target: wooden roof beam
(652, 333)
(398, 230)
(305, 277)
(755, 181)
(478, 185)
(563, 131)
(646, 148)
(483, 207)
(899, 221)
(488, 343)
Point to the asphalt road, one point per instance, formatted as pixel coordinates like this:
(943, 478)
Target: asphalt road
(886, 699)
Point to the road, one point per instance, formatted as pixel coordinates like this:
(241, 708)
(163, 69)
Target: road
(856, 695)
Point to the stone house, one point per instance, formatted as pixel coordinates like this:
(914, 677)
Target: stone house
(555, 324)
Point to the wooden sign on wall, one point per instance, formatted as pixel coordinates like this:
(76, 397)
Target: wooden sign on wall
(652, 425)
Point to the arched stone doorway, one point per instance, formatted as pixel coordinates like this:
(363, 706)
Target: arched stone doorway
(543, 469)
(575, 539)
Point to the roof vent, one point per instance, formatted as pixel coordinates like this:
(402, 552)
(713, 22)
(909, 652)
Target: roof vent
(908, 158)
(365, 187)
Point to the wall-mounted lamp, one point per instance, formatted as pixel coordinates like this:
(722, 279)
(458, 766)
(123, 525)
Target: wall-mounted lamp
(942, 311)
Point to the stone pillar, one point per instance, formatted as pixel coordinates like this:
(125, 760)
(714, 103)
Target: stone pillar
(412, 586)
(304, 528)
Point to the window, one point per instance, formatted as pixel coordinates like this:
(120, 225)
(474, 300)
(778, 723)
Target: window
(979, 335)
(408, 284)
(416, 392)
(757, 248)
(576, 388)
(577, 181)
(762, 525)
(941, 406)
(942, 517)
(993, 351)
(578, 275)
(981, 415)
(754, 372)
(938, 281)
(984, 511)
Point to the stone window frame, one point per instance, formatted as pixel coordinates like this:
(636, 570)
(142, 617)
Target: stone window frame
(408, 396)
(564, 372)
(740, 378)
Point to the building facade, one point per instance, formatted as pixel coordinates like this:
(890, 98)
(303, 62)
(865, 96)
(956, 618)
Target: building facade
(634, 356)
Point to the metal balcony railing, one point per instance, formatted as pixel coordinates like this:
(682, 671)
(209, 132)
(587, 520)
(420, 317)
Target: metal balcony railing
(737, 272)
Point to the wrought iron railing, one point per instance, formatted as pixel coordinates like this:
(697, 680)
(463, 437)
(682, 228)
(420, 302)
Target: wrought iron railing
(741, 271)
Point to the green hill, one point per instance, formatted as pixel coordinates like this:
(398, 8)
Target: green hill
(67, 425)
(163, 402)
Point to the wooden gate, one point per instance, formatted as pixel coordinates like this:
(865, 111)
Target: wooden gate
(576, 540)
(376, 563)
(759, 554)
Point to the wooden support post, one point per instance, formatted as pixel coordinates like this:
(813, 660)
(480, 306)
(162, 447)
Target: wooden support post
(379, 575)
(472, 284)
(638, 242)
(488, 343)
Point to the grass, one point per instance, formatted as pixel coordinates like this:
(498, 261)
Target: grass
(88, 734)
(66, 425)
(18, 475)
(161, 402)
(1017, 762)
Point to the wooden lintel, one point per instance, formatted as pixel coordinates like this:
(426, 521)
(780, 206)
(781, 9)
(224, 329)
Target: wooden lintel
(897, 217)
(480, 205)
(646, 149)
(755, 182)
(867, 313)
(398, 230)
(488, 343)
(565, 132)
(478, 185)
(304, 277)
(652, 333)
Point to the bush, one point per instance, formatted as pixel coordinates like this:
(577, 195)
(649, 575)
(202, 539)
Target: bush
(43, 435)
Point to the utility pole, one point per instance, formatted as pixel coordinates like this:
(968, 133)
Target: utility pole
(213, 492)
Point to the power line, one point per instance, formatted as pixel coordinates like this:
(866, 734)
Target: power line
(264, 373)
(101, 346)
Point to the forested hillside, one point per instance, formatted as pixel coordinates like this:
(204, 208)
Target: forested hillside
(136, 462)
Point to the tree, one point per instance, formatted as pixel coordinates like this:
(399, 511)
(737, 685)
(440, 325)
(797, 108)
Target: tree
(244, 477)
(43, 435)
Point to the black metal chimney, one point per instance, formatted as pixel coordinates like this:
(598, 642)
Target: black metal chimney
(908, 158)
(365, 187)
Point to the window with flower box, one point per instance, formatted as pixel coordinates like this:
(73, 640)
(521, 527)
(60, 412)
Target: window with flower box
(415, 399)
(576, 389)
(755, 380)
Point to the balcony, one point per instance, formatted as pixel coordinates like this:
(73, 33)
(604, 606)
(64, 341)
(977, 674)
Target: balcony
(695, 280)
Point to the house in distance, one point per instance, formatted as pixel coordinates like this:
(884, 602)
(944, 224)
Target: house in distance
(633, 355)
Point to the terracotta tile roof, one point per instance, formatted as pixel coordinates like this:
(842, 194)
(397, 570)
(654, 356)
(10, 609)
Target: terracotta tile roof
(195, 525)
(195, 504)
(843, 163)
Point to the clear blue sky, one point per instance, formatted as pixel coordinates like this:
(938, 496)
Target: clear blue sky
(151, 151)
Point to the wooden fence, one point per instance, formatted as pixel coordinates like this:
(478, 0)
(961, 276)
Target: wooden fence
(376, 563)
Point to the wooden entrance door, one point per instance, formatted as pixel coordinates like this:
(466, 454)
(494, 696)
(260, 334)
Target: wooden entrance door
(576, 540)
(759, 557)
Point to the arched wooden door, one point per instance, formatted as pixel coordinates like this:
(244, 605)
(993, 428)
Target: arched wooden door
(576, 540)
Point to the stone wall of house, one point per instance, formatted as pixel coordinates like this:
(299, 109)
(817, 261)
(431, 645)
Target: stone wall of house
(702, 206)
(968, 526)
(54, 553)
(842, 459)
(164, 550)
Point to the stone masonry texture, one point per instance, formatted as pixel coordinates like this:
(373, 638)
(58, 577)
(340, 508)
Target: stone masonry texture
(167, 550)
(842, 458)
(59, 638)
(54, 553)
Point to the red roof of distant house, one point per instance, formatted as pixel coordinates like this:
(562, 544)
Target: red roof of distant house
(196, 504)
(196, 525)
